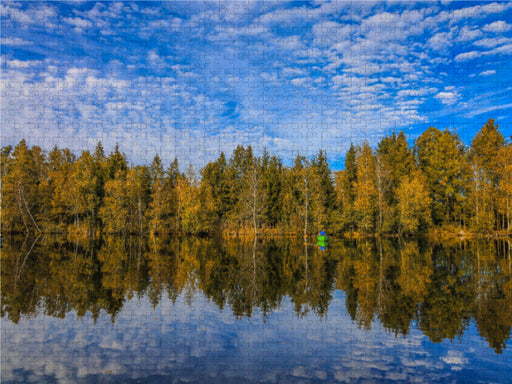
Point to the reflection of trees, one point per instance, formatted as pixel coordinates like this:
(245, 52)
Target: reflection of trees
(445, 311)
(244, 276)
(403, 277)
(441, 286)
(18, 283)
(314, 283)
(493, 275)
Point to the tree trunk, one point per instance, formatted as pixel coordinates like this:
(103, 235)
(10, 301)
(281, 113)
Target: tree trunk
(306, 201)
(508, 214)
(254, 211)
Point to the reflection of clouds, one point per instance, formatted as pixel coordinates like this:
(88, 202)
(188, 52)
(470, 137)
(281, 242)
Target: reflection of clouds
(203, 344)
(455, 359)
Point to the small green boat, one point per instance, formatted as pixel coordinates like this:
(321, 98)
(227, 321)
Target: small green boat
(322, 240)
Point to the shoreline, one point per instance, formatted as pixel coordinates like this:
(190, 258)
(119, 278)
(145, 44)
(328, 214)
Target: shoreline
(434, 234)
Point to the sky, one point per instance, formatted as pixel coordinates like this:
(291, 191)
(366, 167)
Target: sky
(192, 79)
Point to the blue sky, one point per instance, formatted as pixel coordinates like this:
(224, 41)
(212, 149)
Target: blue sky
(195, 78)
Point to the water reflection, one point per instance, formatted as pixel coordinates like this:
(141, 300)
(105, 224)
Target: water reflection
(441, 287)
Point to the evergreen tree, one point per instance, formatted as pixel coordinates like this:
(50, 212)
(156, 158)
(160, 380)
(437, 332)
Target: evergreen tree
(398, 157)
(394, 161)
(441, 157)
(214, 177)
(238, 169)
(158, 210)
(322, 192)
(505, 186)
(297, 196)
(272, 180)
(485, 167)
(116, 163)
(346, 192)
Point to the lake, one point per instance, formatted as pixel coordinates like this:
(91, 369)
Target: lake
(192, 310)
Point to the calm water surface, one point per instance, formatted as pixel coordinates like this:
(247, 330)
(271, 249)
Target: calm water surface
(208, 311)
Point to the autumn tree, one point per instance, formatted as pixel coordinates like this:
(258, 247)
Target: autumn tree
(20, 188)
(138, 197)
(60, 169)
(366, 193)
(86, 194)
(485, 167)
(114, 211)
(414, 204)
(194, 204)
(441, 157)
(505, 186)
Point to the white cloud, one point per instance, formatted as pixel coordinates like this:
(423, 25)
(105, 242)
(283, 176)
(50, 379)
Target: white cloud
(289, 16)
(289, 71)
(488, 72)
(289, 43)
(13, 41)
(23, 63)
(504, 50)
(42, 14)
(327, 33)
(467, 33)
(494, 42)
(223, 33)
(77, 22)
(440, 41)
(155, 60)
(386, 26)
(467, 56)
(449, 96)
(298, 81)
(497, 27)
(15, 14)
(474, 12)
(407, 93)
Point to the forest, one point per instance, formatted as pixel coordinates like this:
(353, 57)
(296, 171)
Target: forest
(437, 186)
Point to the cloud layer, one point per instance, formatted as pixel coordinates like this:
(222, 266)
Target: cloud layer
(193, 79)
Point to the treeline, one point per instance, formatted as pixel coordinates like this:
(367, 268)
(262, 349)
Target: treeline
(439, 183)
